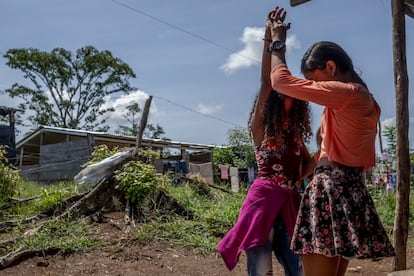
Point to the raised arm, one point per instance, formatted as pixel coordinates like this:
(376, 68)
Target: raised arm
(278, 32)
(257, 118)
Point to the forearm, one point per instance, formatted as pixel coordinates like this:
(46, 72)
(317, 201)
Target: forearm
(265, 89)
(278, 58)
(266, 61)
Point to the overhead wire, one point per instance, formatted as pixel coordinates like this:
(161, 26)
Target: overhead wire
(185, 107)
(193, 35)
(184, 30)
(195, 111)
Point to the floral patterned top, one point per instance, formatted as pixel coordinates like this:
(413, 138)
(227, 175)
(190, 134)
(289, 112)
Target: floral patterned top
(280, 160)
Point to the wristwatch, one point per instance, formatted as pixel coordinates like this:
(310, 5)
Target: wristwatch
(276, 46)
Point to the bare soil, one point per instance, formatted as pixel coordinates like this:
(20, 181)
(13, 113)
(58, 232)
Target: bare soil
(117, 254)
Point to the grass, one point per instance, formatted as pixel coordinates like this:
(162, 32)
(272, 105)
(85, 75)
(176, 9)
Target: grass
(66, 235)
(43, 198)
(213, 217)
(214, 213)
(385, 203)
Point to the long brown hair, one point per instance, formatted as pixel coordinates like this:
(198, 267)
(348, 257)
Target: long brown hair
(275, 115)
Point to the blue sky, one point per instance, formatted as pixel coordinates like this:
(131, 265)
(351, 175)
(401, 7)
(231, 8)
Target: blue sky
(200, 59)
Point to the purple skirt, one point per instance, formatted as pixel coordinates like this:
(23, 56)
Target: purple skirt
(337, 217)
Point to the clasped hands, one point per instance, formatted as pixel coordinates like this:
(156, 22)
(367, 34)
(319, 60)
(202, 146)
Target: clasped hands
(276, 22)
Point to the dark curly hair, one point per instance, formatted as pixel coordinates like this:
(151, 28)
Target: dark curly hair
(274, 116)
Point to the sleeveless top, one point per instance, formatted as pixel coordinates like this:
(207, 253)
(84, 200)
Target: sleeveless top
(280, 159)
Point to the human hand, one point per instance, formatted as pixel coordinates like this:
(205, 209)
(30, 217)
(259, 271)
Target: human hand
(276, 23)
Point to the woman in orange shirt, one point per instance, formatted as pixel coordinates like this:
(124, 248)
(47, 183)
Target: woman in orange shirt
(337, 219)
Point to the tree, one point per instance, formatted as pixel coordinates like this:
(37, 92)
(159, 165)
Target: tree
(155, 132)
(68, 90)
(391, 133)
(223, 155)
(241, 146)
(238, 137)
(132, 116)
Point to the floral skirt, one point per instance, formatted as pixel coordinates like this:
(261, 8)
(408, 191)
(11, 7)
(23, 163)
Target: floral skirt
(337, 217)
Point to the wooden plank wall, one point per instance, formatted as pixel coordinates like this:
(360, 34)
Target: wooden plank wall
(62, 161)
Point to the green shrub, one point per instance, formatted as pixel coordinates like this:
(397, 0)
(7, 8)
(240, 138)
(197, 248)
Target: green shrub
(137, 180)
(100, 153)
(8, 178)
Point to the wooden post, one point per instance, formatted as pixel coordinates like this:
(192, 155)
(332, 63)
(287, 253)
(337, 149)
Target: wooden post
(402, 122)
(297, 2)
(21, 157)
(128, 208)
(380, 137)
(143, 122)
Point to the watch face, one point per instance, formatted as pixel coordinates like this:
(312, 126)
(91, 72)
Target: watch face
(277, 45)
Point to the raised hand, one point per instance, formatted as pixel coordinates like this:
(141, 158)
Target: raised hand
(276, 22)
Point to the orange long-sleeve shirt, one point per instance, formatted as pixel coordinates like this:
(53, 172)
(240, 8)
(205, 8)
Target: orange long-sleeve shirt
(349, 119)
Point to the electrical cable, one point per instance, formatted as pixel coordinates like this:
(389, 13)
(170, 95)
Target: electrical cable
(195, 111)
(193, 35)
(184, 31)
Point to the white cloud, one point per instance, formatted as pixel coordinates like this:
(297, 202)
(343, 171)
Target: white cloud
(292, 42)
(388, 122)
(209, 109)
(120, 104)
(251, 54)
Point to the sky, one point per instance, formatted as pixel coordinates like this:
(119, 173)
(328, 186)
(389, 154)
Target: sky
(200, 60)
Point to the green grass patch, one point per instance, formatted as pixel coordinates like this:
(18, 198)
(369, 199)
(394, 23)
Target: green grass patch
(385, 203)
(65, 235)
(43, 198)
(68, 235)
(213, 214)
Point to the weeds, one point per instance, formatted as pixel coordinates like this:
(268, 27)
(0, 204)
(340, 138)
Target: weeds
(67, 235)
(214, 213)
(8, 178)
(385, 203)
(42, 198)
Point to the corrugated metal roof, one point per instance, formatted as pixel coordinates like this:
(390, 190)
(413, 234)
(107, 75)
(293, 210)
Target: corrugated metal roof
(114, 137)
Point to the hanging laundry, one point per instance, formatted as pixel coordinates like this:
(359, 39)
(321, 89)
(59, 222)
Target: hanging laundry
(224, 171)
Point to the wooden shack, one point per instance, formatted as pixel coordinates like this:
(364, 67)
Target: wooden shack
(52, 154)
